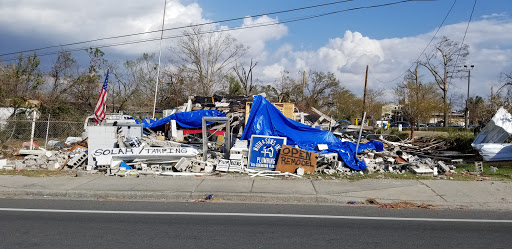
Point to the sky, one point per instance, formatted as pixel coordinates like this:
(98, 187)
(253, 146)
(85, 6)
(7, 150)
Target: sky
(389, 39)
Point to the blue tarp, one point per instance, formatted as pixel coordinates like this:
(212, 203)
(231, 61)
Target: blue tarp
(266, 119)
(191, 119)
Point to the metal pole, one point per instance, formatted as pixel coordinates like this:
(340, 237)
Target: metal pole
(360, 132)
(466, 121)
(466, 112)
(365, 84)
(47, 128)
(227, 139)
(33, 129)
(205, 140)
(159, 56)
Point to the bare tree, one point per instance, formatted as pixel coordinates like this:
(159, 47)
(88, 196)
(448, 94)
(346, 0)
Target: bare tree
(418, 100)
(86, 85)
(374, 104)
(317, 88)
(61, 75)
(245, 76)
(204, 56)
(23, 78)
(139, 82)
(443, 65)
(346, 103)
(173, 92)
(476, 107)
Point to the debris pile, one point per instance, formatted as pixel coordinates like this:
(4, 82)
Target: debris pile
(215, 135)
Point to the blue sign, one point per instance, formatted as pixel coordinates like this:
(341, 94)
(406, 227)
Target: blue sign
(264, 151)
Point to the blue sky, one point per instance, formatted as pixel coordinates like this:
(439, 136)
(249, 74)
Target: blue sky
(401, 20)
(388, 39)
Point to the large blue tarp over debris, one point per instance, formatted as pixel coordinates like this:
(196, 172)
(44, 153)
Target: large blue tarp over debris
(191, 119)
(266, 119)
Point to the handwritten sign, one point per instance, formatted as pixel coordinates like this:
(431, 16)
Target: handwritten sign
(264, 150)
(142, 151)
(292, 158)
(104, 156)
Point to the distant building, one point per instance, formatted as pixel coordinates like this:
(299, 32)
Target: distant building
(392, 113)
(454, 118)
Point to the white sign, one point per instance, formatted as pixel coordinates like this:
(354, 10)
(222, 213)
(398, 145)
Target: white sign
(159, 151)
(104, 156)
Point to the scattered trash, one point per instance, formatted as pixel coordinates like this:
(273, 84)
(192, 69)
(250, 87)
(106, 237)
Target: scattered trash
(405, 204)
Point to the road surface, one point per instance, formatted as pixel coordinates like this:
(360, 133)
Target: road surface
(39, 223)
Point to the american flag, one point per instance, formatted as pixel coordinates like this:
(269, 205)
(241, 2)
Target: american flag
(101, 105)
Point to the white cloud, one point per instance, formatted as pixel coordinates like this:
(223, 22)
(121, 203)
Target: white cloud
(490, 51)
(65, 21)
(495, 15)
(273, 71)
(346, 57)
(256, 38)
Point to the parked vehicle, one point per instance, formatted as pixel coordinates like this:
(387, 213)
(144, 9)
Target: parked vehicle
(403, 123)
(421, 126)
(434, 125)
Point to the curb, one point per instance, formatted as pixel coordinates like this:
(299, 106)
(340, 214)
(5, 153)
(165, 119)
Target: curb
(231, 197)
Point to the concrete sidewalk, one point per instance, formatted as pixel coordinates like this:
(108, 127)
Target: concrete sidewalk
(445, 193)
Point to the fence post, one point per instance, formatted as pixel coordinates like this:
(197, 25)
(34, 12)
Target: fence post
(47, 128)
(33, 129)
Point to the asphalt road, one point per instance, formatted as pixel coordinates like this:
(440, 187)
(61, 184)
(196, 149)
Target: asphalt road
(40, 223)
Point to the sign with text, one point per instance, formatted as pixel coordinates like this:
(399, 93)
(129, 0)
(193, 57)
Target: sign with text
(264, 151)
(292, 158)
(148, 151)
(103, 156)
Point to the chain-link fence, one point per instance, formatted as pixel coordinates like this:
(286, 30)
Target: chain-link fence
(15, 132)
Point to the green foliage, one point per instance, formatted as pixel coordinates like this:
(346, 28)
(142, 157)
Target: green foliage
(347, 105)
(271, 92)
(61, 109)
(400, 135)
(235, 89)
(459, 141)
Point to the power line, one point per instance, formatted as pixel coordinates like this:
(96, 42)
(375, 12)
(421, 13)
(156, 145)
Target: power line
(422, 52)
(462, 43)
(233, 29)
(176, 28)
(465, 32)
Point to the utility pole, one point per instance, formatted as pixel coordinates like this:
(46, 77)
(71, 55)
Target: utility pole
(303, 84)
(159, 56)
(364, 96)
(466, 112)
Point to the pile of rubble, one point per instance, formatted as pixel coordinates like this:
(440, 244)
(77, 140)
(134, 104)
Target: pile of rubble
(397, 157)
(128, 149)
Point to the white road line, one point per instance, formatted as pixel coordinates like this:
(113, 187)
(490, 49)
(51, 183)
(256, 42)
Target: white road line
(252, 215)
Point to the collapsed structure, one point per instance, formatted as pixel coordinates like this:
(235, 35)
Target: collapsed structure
(218, 134)
(490, 142)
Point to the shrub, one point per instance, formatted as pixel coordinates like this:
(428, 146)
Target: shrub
(459, 141)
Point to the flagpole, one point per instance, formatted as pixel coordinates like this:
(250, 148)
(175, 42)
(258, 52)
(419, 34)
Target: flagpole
(159, 56)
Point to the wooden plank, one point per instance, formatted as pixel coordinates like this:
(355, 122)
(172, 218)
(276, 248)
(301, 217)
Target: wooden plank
(287, 109)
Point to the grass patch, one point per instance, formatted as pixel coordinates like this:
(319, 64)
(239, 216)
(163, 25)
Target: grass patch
(36, 173)
(504, 171)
